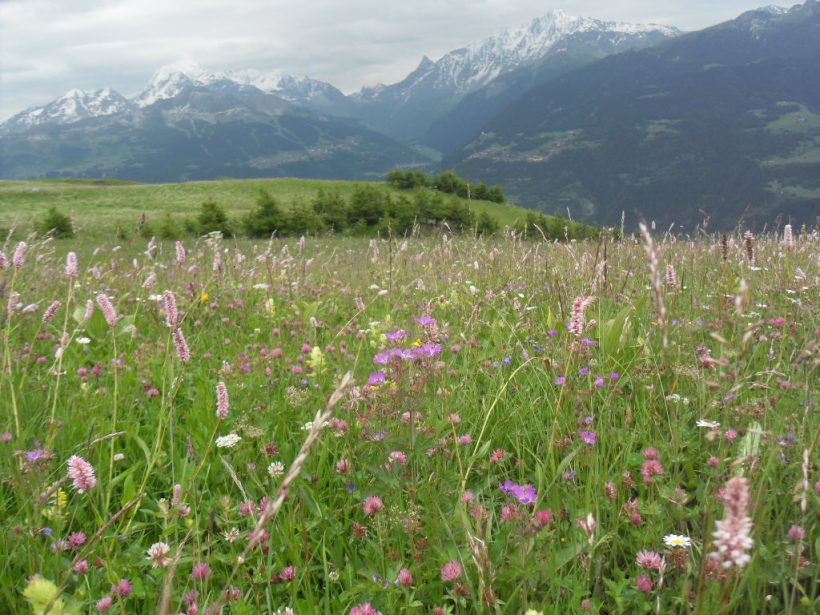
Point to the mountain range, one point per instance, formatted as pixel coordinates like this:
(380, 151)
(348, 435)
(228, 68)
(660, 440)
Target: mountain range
(719, 124)
(565, 113)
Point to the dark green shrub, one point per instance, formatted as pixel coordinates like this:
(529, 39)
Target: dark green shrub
(302, 219)
(266, 219)
(367, 205)
(169, 229)
(486, 225)
(212, 218)
(56, 224)
(332, 209)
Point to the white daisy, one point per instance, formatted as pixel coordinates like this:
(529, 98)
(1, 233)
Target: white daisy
(676, 540)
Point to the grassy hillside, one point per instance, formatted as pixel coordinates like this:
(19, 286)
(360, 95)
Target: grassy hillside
(105, 204)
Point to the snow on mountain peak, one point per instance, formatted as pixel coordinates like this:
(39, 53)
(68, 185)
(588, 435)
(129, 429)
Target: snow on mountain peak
(73, 106)
(773, 9)
(482, 61)
(171, 79)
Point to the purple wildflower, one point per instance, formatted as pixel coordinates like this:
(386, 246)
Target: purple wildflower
(377, 378)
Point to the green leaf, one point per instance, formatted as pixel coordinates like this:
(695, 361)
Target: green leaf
(750, 444)
(566, 555)
(141, 443)
(125, 326)
(611, 331)
(129, 489)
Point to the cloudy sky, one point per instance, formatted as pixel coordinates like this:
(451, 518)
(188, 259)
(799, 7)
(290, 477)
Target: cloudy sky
(50, 46)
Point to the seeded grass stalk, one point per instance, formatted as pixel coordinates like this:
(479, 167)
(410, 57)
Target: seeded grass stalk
(65, 341)
(7, 363)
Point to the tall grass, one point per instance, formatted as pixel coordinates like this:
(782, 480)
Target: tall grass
(483, 458)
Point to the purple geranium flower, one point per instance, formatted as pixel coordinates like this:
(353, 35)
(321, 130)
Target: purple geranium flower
(588, 437)
(425, 320)
(34, 455)
(405, 354)
(428, 350)
(397, 335)
(377, 378)
(525, 494)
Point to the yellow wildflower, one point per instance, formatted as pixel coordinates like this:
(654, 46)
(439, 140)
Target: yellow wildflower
(40, 592)
(316, 360)
(270, 308)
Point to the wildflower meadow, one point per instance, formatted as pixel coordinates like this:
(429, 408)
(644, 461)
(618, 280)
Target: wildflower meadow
(426, 424)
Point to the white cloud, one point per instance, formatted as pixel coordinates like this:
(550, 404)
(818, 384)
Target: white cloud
(48, 47)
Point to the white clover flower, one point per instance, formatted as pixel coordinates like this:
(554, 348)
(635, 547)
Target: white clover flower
(158, 554)
(276, 469)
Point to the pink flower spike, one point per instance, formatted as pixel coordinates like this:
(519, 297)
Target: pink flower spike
(221, 401)
(71, 265)
(181, 346)
(81, 473)
(733, 533)
(107, 309)
(19, 258)
(171, 313)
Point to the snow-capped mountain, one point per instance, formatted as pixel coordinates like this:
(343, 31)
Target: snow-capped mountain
(773, 9)
(471, 67)
(408, 108)
(72, 107)
(172, 79)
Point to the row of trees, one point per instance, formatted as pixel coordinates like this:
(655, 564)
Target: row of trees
(447, 182)
(368, 211)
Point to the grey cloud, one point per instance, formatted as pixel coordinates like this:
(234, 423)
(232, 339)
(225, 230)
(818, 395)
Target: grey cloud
(49, 47)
